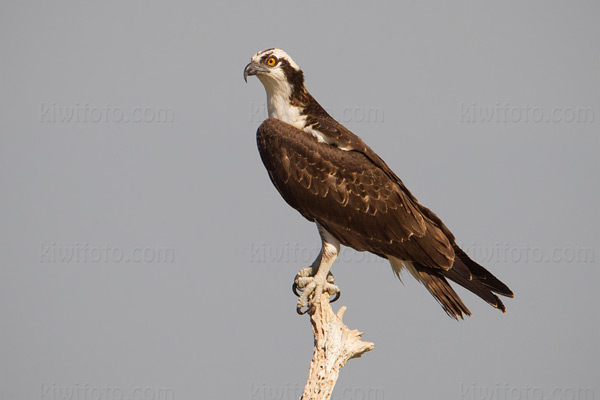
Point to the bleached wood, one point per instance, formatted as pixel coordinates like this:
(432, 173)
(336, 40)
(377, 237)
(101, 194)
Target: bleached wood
(335, 344)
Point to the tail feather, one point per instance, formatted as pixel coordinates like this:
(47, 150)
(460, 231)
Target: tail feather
(461, 274)
(436, 284)
(483, 275)
(439, 287)
(466, 273)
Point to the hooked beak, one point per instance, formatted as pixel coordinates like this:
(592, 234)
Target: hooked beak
(252, 69)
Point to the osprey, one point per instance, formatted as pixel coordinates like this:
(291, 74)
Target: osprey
(334, 179)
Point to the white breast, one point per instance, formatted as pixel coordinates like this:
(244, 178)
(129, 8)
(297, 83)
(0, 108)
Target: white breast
(280, 108)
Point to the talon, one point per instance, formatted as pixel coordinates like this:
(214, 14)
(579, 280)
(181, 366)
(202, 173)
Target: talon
(295, 289)
(308, 291)
(303, 299)
(337, 297)
(299, 310)
(330, 278)
(302, 279)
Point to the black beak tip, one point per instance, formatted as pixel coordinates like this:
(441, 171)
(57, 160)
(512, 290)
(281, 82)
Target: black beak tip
(246, 70)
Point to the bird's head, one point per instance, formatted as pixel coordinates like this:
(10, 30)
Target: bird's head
(279, 74)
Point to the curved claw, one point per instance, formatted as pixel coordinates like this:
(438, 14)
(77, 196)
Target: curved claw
(300, 312)
(336, 297)
(295, 289)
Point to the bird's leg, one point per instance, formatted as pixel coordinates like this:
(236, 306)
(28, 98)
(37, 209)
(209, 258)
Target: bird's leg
(316, 279)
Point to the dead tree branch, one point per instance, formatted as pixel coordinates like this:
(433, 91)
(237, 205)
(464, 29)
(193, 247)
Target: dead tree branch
(335, 344)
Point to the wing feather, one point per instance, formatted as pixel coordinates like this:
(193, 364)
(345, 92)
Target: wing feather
(361, 201)
(356, 199)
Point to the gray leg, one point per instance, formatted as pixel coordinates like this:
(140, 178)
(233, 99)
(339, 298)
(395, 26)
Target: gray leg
(316, 279)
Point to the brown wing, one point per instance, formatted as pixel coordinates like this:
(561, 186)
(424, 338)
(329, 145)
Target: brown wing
(353, 195)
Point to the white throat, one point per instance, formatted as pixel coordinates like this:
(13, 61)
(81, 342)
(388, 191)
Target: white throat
(278, 102)
(279, 107)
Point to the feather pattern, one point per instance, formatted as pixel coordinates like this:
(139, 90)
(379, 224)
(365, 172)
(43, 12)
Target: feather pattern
(348, 189)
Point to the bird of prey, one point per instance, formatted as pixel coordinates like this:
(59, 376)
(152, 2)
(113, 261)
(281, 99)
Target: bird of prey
(334, 179)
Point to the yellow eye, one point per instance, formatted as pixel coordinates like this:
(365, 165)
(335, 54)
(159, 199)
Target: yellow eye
(271, 61)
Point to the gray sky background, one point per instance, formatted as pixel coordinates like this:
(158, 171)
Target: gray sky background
(128, 134)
